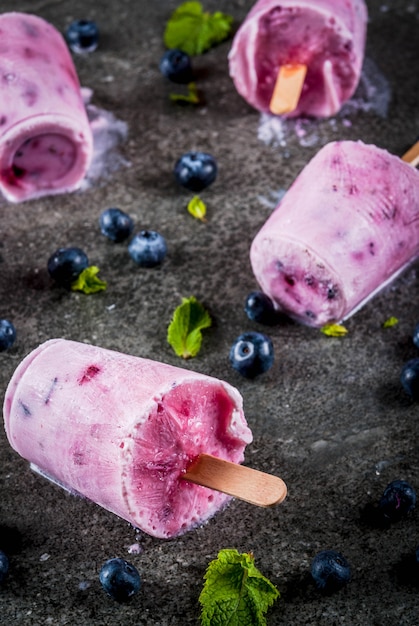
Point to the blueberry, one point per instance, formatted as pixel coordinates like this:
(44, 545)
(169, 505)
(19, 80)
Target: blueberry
(4, 566)
(82, 36)
(120, 579)
(65, 265)
(259, 308)
(252, 354)
(7, 335)
(398, 499)
(148, 248)
(415, 336)
(409, 378)
(330, 570)
(195, 170)
(176, 66)
(115, 224)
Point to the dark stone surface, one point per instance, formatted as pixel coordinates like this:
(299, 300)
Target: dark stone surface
(329, 417)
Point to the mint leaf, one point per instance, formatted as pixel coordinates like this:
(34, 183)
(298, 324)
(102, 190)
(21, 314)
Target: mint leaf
(334, 330)
(197, 208)
(184, 332)
(235, 593)
(192, 97)
(194, 31)
(88, 281)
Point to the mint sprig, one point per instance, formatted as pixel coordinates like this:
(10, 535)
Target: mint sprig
(194, 31)
(184, 331)
(88, 281)
(235, 593)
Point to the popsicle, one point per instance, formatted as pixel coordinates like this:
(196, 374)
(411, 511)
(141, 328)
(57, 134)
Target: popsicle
(320, 43)
(348, 225)
(129, 433)
(45, 139)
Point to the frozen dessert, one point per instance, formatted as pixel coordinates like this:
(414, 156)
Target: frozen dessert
(45, 139)
(122, 430)
(327, 37)
(348, 225)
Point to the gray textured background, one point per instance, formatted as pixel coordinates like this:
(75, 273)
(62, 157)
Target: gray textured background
(329, 417)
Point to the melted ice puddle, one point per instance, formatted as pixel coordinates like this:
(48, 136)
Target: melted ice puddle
(108, 134)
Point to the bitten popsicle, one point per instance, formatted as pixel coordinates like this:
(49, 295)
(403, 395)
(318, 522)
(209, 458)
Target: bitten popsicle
(348, 225)
(46, 141)
(299, 57)
(128, 433)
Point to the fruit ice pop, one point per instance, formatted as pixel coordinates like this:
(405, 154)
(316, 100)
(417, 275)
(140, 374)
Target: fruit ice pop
(121, 430)
(327, 37)
(348, 225)
(46, 142)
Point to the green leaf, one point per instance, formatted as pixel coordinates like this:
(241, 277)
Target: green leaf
(194, 31)
(192, 97)
(184, 332)
(334, 330)
(88, 281)
(235, 593)
(197, 208)
(390, 322)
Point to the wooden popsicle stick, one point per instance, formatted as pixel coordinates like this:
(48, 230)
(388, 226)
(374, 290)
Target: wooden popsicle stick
(236, 480)
(412, 155)
(287, 89)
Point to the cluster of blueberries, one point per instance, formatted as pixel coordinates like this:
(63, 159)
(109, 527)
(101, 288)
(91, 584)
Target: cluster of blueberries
(148, 248)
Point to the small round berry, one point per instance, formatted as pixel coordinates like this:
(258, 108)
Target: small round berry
(120, 579)
(409, 378)
(252, 354)
(148, 248)
(176, 66)
(398, 499)
(115, 224)
(195, 170)
(330, 570)
(82, 36)
(4, 566)
(415, 336)
(7, 335)
(259, 308)
(65, 265)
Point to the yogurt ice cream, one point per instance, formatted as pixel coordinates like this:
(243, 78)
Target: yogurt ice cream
(46, 142)
(348, 225)
(121, 430)
(327, 36)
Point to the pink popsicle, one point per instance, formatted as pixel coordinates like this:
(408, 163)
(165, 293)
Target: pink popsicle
(121, 430)
(348, 225)
(327, 36)
(45, 139)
